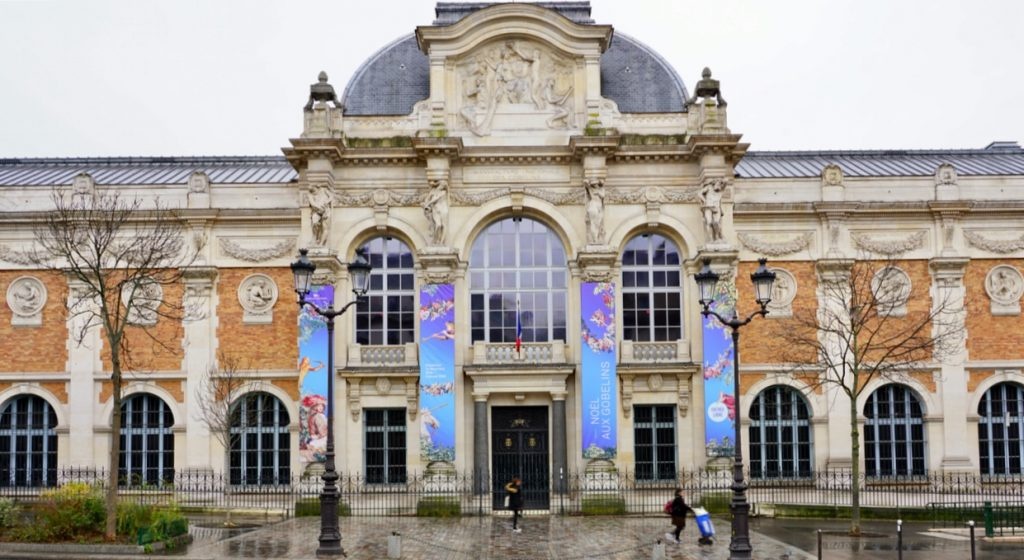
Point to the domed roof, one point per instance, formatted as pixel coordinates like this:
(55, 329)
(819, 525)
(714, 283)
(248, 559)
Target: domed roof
(397, 76)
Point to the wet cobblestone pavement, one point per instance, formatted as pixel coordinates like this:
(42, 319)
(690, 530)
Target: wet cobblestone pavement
(485, 538)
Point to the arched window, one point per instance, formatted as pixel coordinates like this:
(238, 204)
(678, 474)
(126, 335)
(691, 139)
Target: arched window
(387, 317)
(1000, 425)
(260, 441)
(893, 433)
(147, 442)
(517, 258)
(652, 308)
(28, 442)
(780, 434)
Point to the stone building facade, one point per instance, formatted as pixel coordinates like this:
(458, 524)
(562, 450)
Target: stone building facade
(519, 153)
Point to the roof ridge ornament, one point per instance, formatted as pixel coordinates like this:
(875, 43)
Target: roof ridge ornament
(707, 88)
(322, 91)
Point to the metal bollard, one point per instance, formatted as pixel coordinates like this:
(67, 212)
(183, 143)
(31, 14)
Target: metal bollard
(819, 544)
(970, 524)
(899, 539)
(394, 545)
(658, 553)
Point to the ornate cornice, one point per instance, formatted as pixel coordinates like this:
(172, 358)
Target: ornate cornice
(977, 240)
(775, 249)
(235, 250)
(889, 246)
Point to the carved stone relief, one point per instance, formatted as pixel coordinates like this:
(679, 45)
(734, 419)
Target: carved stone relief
(383, 385)
(198, 182)
(26, 297)
(1004, 286)
(776, 248)
(994, 245)
(321, 201)
(888, 246)
(783, 294)
(14, 256)
(832, 176)
(83, 184)
(711, 193)
(516, 75)
(257, 294)
(594, 188)
(144, 303)
(891, 289)
(257, 254)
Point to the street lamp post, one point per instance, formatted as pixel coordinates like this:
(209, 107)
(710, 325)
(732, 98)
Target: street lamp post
(359, 271)
(707, 281)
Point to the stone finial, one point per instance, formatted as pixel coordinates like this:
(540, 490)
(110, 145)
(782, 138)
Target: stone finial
(707, 88)
(322, 91)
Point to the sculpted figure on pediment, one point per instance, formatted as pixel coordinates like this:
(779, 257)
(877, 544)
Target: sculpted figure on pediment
(514, 72)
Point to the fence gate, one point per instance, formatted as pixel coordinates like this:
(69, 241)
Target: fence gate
(519, 446)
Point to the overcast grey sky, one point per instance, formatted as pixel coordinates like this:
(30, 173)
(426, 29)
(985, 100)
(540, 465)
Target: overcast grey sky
(89, 78)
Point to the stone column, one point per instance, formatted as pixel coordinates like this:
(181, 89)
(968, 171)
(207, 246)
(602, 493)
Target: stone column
(200, 347)
(950, 331)
(559, 460)
(83, 364)
(833, 275)
(480, 437)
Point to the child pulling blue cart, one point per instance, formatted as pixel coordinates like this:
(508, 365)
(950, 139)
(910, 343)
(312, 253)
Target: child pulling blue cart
(707, 529)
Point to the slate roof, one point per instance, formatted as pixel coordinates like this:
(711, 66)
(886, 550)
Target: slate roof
(394, 78)
(145, 170)
(998, 158)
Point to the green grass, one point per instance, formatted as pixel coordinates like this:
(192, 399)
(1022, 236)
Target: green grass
(438, 506)
(310, 507)
(603, 505)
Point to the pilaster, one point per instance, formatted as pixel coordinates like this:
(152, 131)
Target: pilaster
(200, 345)
(82, 366)
(833, 282)
(950, 331)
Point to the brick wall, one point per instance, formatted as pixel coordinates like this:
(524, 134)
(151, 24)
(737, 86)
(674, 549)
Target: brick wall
(35, 349)
(155, 347)
(272, 346)
(759, 340)
(990, 337)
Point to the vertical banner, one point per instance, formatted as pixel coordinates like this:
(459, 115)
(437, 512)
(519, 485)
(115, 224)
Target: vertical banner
(719, 397)
(437, 372)
(600, 392)
(313, 377)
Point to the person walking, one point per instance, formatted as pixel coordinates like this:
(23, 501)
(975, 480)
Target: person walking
(515, 501)
(678, 509)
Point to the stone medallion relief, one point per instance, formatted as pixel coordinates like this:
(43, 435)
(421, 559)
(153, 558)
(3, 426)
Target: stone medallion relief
(783, 294)
(143, 301)
(515, 77)
(1004, 286)
(891, 288)
(26, 297)
(257, 294)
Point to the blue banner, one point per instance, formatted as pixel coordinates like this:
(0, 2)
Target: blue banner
(718, 368)
(313, 377)
(437, 372)
(600, 388)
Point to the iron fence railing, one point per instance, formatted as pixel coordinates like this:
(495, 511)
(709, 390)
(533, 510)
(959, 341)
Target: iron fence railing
(610, 491)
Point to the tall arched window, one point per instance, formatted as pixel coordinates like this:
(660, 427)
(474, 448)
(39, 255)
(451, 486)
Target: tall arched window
(260, 441)
(147, 442)
(388, 315)
(893, 433)
(28, 442)
(780, 434)
(517, 259)
(1000, 425)
(652, 308)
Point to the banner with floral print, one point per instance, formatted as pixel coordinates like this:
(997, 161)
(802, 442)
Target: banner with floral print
(313, 377)
(599, 384)
(437, 372)
(718, 368)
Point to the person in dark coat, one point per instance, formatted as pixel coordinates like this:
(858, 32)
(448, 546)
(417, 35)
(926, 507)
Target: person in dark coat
(515, 501)
(678, 511)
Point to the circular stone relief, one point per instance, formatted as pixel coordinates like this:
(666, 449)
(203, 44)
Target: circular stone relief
(383, 385)
(1004, 284)
(783, 290)
(891, 286)
(145, 301)
(26, 296)
(655, 381)
(257, 293)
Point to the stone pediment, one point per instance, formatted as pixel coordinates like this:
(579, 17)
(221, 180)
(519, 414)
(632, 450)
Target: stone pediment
(520, 69)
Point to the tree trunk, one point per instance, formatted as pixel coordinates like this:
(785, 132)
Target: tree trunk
(855, 473)
(115, 446)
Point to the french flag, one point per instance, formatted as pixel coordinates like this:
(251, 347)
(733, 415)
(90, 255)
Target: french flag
(519, 329)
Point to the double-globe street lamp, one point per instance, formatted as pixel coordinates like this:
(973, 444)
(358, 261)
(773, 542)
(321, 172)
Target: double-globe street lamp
(359, 272)
(707, 283)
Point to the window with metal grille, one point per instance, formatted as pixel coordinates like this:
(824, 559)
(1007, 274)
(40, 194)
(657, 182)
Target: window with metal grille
(260, 441)
(894, 442)
(147, 442)
(28, 442)
(517, 258)
(780, 434)
(387, 315)
(1000, 425)
(384, 445)
(652, 308)
(654, 437)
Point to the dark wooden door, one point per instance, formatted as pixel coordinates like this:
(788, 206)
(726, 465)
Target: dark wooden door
(519, 447)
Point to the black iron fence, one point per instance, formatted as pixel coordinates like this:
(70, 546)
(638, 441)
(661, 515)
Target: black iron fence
(605, 492)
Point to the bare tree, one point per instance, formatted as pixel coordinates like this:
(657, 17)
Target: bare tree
(215, 396)
(868, 325)
(119, 254)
